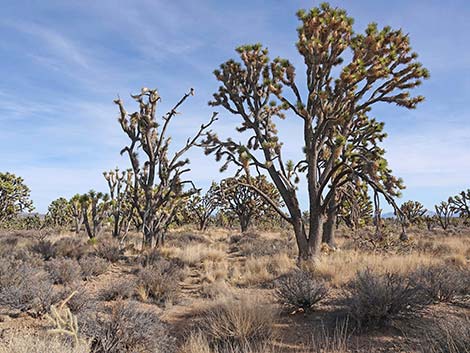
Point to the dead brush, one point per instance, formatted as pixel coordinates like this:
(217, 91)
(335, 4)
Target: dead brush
(375, 299)
(158, 283)
(447, 335)
(299, 290)
(440, 283)
(63, 271)
(125, 328)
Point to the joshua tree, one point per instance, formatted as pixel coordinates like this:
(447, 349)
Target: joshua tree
(460, 204)
(76, 212)
(444, 213)
(238, 196)
(341, 140)
(95, 207)
(14, 196)
(202, 207)
(59, 213)
(119, 184)
(355, 208)
(158, 187)
(413, 211)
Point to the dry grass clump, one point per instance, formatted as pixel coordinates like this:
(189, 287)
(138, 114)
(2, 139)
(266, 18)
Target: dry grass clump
(238, 323)
(263, 270)
(375, 299)
(341, 267)
(63, 271)
(441, 283)
(216, 271)
(127, 329)
(216, 289)
(28, 343)
(300, 290)
(158, 283)
(330, 341)
(194, 254)
(197, 342)
(25, 287)
(448, 335)
(92, 266)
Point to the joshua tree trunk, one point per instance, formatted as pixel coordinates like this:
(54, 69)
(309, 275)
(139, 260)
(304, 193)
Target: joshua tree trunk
(244, 222)
(329, 225)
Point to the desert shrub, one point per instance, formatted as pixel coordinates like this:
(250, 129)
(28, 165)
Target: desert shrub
(127, 329)
(440, 283)
(44, 248)
(158, 283)
(92, 266)
(24, 287)
(109, 249)
(448, 335)
(63, 271)
(26, 343)
(236, 323)
(122, 288)
(80, 301)
(7, 244)
(71, 248)
(375, 299)
(300, 290)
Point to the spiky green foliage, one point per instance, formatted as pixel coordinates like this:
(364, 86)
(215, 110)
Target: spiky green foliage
(355, 206)
(201, 207)
(59, 213)
(413, 211)
(249, 198)
(346, 75)
(95, 207)
(120, 184)
(14, 196)
(158, 186)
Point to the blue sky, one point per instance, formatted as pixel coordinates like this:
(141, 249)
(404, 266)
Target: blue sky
(63, 62)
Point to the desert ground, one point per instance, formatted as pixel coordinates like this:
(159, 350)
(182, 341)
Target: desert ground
(222, 291)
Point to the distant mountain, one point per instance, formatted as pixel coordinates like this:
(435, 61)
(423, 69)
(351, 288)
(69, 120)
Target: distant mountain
(392, 215)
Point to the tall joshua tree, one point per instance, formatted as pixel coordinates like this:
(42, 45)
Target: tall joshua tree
(158, 185)
(238, 196)
(119, 184)
(202, 207)
(14, 196)
(76, 212)
(444, 213)
(59, 213)
(340, 139)
(460, 204)
(95, 206)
